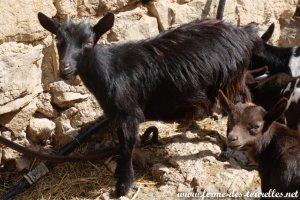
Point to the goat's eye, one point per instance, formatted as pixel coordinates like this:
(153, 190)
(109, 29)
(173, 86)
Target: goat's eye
(253, 129)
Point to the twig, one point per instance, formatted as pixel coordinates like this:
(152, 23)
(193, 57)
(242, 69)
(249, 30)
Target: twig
(136, 193)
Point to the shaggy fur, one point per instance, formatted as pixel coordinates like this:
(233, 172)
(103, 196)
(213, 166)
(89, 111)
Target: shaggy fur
(174, 76)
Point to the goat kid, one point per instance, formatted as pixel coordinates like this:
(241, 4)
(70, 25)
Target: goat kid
(174, 76)
(273, 146)
(266, 92)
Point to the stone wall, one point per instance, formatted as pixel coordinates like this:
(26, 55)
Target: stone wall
(37, 109)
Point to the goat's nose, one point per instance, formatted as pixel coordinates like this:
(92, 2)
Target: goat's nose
(65, 66)
(233, 138)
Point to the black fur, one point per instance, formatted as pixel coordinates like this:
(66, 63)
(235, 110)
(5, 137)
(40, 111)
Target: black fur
(174, 76)
(268, 91)
(276, 58)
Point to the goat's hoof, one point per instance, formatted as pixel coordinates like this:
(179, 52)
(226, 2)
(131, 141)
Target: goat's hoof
(122, 188)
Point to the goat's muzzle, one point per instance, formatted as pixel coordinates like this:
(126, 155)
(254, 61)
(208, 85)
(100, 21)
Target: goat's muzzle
(67, 69)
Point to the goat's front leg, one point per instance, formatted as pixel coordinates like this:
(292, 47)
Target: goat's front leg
(127, 134)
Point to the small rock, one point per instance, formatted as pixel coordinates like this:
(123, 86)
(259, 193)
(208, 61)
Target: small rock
(159, 170)
(111, 164)
(173, 162)
(105, 196)
(40, 129)
(9, 154)
(22, 163)
(210, 189)
(68, 99)
(19, 120)
(183, 188)
(45, 107)
(64, 131)
(123, 198)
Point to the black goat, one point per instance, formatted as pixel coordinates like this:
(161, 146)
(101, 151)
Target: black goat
(273, 146)
(278, 59)
(174, 76)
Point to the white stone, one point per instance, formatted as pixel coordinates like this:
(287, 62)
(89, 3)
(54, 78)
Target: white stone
(20, 75)
(40, 129)
(19, 20)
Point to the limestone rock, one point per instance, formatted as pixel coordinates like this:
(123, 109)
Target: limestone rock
(50, 66)
(183, 13)
(40, 129)
(234, 180)
(66, 8)
(20, 75)
(110, 5)
(45, 107)
(184, 188)
(8, 153)
(133, 25)
(65, 95)
(64, 132)
(87, 8)
(290, 33)
(67, 99)
(18, 121)
(158, 170)
(22, 163)
(19, 19)
(111, 164)
(88, 111)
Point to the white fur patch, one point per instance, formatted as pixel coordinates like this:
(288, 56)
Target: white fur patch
(288, 88)
(295, 96)
(294, 63)
(262, 77)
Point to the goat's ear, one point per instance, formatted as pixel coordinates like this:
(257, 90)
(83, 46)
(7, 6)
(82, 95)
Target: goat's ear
(48, 23)
(276, 111)
(103, 25)
(226, 104)
(269, 32)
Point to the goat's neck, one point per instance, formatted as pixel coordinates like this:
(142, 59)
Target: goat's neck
(275, 57)
(275, 130)
(96, 66)
(95, 72)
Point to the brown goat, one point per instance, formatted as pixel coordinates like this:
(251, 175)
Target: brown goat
(273, 146)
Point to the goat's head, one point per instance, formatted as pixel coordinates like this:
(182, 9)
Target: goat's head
(248, 122)
(75, 41)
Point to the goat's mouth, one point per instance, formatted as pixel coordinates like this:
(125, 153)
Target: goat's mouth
(235, 146)
(67, 75)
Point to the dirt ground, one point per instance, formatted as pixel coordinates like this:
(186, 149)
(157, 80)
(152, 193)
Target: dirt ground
(187, 159)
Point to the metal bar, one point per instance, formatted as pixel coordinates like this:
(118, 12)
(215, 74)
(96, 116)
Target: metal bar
(220, 10)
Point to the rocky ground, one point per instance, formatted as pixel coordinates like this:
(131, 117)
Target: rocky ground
(187, 159)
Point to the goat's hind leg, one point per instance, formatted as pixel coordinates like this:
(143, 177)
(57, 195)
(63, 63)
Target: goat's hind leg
(127, 134)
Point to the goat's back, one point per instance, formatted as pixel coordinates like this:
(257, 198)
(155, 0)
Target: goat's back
(178, 73)
(279, 165)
